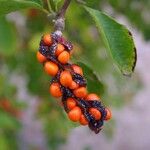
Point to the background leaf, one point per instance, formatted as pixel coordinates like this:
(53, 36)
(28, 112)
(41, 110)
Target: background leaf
(40, 2)
(8, 122)
(7, 6)
(94, 85)
(3, 143)
(54, 4)
(7, 38)
(118, 39)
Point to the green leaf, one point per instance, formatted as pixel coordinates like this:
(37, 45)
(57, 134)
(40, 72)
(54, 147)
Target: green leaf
(94, 85)
(56, 2)
(40, 2)
(7, 6)
(118, 40)
(7, 38)
(90, 3)
(8, 122)
(3, 142)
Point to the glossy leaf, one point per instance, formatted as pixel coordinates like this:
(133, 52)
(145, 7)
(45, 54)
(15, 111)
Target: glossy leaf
(7, 6)
(118, 40)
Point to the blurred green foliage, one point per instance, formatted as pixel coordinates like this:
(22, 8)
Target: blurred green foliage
(18, 47)
(7, 33)
(10, 110)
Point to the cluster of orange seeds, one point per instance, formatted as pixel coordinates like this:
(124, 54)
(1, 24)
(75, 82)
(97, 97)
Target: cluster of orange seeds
(69, 83)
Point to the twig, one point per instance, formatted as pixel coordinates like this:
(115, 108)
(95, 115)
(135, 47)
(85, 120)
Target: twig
(62, 11)
(60, 17)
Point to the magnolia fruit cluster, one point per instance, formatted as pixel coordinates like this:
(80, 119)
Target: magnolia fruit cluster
(69, 83)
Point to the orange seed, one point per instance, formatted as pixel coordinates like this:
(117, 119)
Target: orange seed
(47, 39)
(55, 90)
(51, 68)
(95, 113)
(92, 96)
(60, 48)
(83, 120)
(64, 57)
(77, 69)
(40, 57)
(109, 114)
(71, 103)
(80, 92)
(75, 114)
(66, 78)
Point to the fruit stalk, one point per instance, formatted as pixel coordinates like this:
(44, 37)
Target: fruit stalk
(60, 17)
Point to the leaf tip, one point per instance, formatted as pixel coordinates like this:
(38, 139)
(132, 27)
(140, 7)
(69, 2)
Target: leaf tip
(135, 59)
(127, 74)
